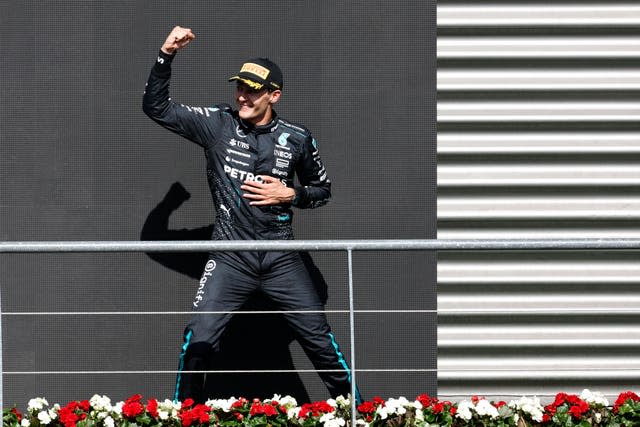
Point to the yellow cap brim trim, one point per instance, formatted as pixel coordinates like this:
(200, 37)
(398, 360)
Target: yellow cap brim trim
(248, 82)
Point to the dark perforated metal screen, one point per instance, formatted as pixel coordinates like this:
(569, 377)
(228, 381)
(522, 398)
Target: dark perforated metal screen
(80, 161)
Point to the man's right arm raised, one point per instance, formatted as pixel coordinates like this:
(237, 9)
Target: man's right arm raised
(189, 122)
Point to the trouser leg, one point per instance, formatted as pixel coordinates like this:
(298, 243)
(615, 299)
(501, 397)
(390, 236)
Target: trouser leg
(222, 289)
(291, 287)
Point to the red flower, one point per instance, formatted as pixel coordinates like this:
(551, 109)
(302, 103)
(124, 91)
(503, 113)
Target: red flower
(425, 400)
(453, 410)
(73, 412)
(84, 405)
(438, 408)
(199, 414)
(152, 408)
(378, 401)
(366, 408)
(133, 407)
(315, 409)
(239, 403)
(578, 410)
(258, 408)
(577, 406)
(500, 404)
(623, 397)
(17, 413)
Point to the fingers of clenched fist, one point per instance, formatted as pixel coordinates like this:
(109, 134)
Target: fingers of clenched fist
(177, 39)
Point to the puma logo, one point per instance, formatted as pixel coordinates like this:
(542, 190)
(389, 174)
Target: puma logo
(227, 210)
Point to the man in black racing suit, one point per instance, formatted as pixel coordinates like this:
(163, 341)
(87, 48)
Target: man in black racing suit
(252, 157)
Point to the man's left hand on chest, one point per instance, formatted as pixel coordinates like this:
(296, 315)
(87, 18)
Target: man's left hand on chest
(271, 191)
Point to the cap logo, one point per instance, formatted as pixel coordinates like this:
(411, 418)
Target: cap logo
(255, 69)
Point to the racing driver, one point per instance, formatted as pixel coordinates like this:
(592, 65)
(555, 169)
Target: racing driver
(252, 158)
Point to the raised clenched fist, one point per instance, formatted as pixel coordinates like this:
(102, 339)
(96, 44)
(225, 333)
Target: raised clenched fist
(177, 39)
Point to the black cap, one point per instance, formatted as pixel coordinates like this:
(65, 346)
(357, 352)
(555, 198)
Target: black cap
(260, 73)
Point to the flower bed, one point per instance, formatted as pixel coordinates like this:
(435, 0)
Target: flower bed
(567, 410)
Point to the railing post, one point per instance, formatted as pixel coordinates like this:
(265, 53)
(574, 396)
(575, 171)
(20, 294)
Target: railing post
(1, 370)
(352, 339)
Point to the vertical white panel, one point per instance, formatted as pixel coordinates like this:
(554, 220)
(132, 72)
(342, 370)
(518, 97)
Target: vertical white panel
(539, 137)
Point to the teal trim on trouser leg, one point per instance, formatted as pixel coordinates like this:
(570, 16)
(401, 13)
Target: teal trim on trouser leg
(344, 364)
(187, 340)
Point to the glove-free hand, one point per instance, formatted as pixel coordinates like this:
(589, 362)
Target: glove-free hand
(178, 38)
(271, 191)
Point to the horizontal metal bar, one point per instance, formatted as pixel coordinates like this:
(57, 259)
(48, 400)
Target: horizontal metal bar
(191, 313)
(515, 47)
(465, 344)
(468, 15)
(319, 245)
(524, 79)
(442, 373)
(540, 311)
(528, 111)
(538, 175)
(229, 371)
(532, 143)
(519, 375)
(447, 312)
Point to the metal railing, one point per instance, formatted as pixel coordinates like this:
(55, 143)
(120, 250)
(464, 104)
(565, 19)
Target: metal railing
(316, 245)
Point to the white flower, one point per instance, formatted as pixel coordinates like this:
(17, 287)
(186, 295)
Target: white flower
(483, 407)
(25, 422)
(53, 412)
(464, 410)
(598, 417)
(37, 404)
(419, 415)
(342, 401)
(169, 408)
(292, 413)
(335, 422)
(288, 401)
(529, 406)
(396, 406)
(326, 417)
(109, 422)
(118, 408)
(417, 404)
(44, 417)
(100, 403)
(382, 412)
(224, 404)
(594, 398)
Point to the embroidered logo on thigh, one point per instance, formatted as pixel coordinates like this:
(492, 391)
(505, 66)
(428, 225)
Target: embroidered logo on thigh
(208, 272)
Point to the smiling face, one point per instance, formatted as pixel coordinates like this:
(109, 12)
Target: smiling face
(255, 106)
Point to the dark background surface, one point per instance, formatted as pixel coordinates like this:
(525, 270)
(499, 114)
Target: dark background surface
(80, 161)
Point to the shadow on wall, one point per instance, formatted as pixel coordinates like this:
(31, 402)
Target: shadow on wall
(251, 342)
